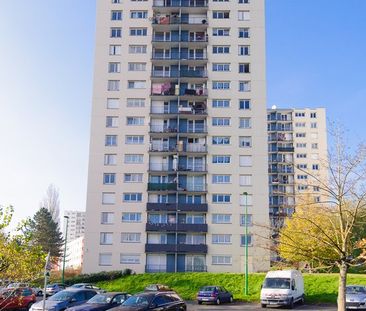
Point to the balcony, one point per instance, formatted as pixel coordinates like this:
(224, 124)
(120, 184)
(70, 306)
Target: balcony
(161, 186)
(165, 268)
(192, 168)
(181, 73)
(163, 129)
(160, 167)
(192, 187)
(286, 149)
(179, 3)
(168, 91)
(162, 148)
(183, 207)
(191, 41)
(176, 20)
(172, 227)
(166, 58)
(173, 248)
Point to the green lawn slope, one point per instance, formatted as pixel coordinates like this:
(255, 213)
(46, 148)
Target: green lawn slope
(319, 288)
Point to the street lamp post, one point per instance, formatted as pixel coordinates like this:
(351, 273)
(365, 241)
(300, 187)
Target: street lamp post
(246, 287)
(63, 262)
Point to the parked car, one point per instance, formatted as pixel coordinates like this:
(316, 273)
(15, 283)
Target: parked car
(54, 288)
(153, 300)
(283, 287)
(157, 287)
(17, 298)
(102, 302)
(86, 286)
(37, 291)
(355, 297)
(65, 299)
(215, 294)
(17, 285)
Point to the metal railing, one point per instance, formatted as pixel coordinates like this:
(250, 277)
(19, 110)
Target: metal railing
(180, 3)
(163, 129)
(181, 73)
(161, 186)
(174, 20)
(164, 268)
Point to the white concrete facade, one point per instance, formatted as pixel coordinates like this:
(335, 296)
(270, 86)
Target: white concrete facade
(76, 224)
(178, 134)
(74, 253)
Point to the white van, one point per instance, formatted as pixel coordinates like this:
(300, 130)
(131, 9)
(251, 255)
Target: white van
(283, 287)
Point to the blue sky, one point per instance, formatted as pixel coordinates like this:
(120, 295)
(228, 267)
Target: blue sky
(315, 57)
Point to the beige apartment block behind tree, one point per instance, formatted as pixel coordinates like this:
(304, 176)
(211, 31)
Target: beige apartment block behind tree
(178, 134)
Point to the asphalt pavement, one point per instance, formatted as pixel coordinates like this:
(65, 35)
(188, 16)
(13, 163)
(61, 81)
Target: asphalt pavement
(193, 306)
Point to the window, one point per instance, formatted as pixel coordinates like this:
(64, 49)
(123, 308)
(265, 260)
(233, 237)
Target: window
(114, 49)
(243, 32)
(133, 177)
(110, 159)
(221, 260)
(130, 237)
(245, 180)
(244, 50)
(245, 239)
(316, 188)
(134, 139)
(302, 187)
(220, 85)
(314, 146)
(245, 123)
(245, 160)
(220, 103)
(221, 239)
(245, 141)
(313, 125)
(130, 259)
(220, 14)
(109, 178)
(131, 217)
(105, 259)
(221, 32)
(301, 156)
(138, 31)
(138, 14)
(243, 16)
(111, 140)
(300, 124)
(134, 158)
(137, 49)
(135, 102)
(246, 220)
(243, 1)
(220, 67)
(244, 68)
(113, 85)
(107, 218)
(221, 198)
(244, 86)
(315, 167)
(302, 177)
(137, 66)
(221, 159)
(221, 49)
(108, 198)
(116, 1)
(221, 140)
(300, 114)
(302, 135)
(116, 16)
(300, 145)
(302, 166)
(313, 115)
(244, 104)
(116, 32)
(221, 218)
(221, 179)
(111, 121)
(106, 238)
(220, 121)
(136, 84)
(132, 197)
(112, 103)
(135, 120)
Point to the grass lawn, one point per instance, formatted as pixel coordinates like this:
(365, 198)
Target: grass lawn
(318, 287)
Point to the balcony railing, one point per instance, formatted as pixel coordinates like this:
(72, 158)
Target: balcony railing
(172, 227)
(163, 129)
(192, 168)
(160, 167)
(161, 186)
(181, 248)
(195, 148)
(165, 268)
(189, 187)
(180, 3)
(286, 149)
(181, 73)
(171, 91)
(183, 207)
(173, 20)
(180, 39)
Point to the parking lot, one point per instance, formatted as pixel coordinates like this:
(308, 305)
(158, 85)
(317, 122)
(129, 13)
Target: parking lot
(193, 306)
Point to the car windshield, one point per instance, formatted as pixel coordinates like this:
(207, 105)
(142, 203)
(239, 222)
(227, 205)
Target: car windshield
(77, 285)
(135, 301)
(276, 283)
(355, 290)
(51, 286)
(62, 296)
(100, 299)
(208, 289)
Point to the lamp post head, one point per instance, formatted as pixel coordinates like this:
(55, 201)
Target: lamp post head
(67, 217)
(245, 193)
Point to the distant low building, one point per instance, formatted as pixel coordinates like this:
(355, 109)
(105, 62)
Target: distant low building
(74, 253)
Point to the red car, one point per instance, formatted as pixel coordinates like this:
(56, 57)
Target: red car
(17, 298)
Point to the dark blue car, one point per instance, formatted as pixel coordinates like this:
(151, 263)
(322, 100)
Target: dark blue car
(102, 302)
(214, 294)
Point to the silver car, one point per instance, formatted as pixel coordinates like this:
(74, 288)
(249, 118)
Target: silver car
(355, 297)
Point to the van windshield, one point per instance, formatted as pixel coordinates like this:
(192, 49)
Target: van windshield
(276, 283)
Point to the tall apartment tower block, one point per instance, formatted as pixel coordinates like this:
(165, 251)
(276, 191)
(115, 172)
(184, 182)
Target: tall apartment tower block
(178, 135)
(76, 225)
(297, 145)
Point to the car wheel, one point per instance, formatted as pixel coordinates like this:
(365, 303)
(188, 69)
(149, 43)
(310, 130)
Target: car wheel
(29, 305)
(218, 301)
(199, 302)
(263, 305)
(39, 293)
(291, 304)
(302, 300)
(231, 300)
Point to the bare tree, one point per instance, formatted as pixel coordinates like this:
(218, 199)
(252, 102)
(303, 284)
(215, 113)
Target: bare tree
(329, 232)
(51, 202)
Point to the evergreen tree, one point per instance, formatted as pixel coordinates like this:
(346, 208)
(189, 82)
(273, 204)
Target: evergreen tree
(46, 233)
